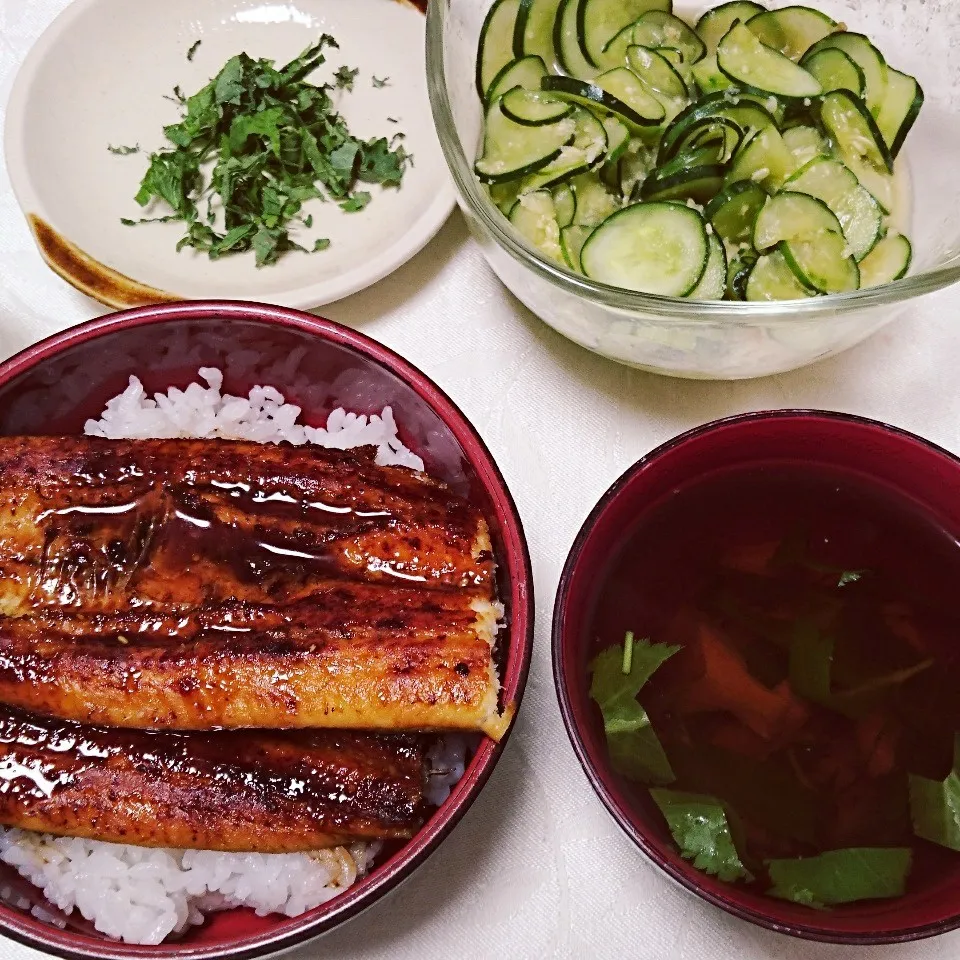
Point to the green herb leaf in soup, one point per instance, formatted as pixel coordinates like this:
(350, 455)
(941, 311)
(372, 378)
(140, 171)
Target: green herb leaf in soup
(618, 675)
(841, 876)
(700, 828)
(935, 805)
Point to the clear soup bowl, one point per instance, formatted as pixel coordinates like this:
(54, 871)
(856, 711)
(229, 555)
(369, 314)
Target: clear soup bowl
(719, 339)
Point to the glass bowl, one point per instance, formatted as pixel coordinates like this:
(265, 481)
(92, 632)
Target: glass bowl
(717, 339)
(914, 470)
(53, 386)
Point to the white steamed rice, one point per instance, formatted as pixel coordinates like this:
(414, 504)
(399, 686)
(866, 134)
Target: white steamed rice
(143, 895)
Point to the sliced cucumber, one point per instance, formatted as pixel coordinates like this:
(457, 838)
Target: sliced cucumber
(762, 158)
(538, 18)
(792, 30)
(659, 28)
(792, 216)
(527, 72)
(659, 248)
(859, 213)
(698, 182)
(618, 138)
(771, 279)
(565, 204)
(602, 20)
(751, 64)
(566, 41)
(708, 76)
(504, 195)
(572, 239)
(623, 84)
(888, 261)
(588, 148)
(718, 131)
(867, 57)
(805, 143)
(858, 143)
(496, 43)
(733, 211)
(594, 202)
(713, 283)
(899, 110)
(533, 108)
(738, 272)
(597, 97)
(714, 24)
(746, 114)
(615, 52)
(660, 78)
(635, 167)
(824, 264)
(835, 70)
(534, 216)
(512, 150)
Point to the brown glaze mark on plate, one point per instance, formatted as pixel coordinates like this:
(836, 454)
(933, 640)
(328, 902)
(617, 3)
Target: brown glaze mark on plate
(90, 276)
(420, 5)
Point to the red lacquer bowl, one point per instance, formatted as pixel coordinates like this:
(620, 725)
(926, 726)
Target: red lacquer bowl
(910, 466)
(54, 386)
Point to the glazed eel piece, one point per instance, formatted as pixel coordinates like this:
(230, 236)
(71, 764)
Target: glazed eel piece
(251, 791)
(198, 584)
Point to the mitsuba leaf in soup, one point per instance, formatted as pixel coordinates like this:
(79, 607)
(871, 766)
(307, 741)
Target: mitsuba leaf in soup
(935, 805)
(619, 673)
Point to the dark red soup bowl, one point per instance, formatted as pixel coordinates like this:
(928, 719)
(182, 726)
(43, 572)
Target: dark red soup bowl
(54, 386)
(907, 470)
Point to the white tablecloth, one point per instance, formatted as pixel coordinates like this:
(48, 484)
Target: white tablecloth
(537, 868)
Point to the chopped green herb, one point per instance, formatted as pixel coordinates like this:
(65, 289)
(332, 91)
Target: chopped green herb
(627, 652)
(841, 876)
(634, 748)
(262, 141)
(193, 49)
(321, 244)
(308, 220)
(127, 222)
(935, 805)
(345, 77)
(377, 82)
(699, 825)
(123, 151)
(849, 576)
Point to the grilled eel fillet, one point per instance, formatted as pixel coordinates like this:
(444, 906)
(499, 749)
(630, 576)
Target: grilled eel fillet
(199, 584)
(264, 791)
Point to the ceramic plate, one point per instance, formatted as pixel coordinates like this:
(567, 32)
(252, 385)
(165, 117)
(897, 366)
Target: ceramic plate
(102, 75)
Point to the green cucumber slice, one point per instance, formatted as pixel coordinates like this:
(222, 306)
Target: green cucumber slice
(888, 261)
(823, 264)
(594, 202)
(565, 204)
(708, 76)
(771, 279)
(733, 212)
(658, 248)
(867, 57)
(504, 195)
(534, 217)
(618, 138)
(746, 61)
(858, 143)
(597, 97)
(658, 28)
(900, 108)
(572, 239)
(792, 216)
(698, 182)
(614, 54)
(602, 20)
(835, 70)
(623, 84)
(859, 213)
(713, 283)
(533, 108)
(635, 167)
(718, 131)
(496, 43)
(660, 78)
(512, 150)
(527, 72)
(566, 41)
(588, 148)
(792, 30)
(762, 158)
(748, 115)
(538, 18)
(714, 24)
(805, 143)
(738, 272)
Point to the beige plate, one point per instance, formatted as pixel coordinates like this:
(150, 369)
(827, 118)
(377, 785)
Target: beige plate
(99, 76)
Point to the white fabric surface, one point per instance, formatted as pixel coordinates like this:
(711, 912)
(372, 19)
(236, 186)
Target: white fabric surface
(537, 868)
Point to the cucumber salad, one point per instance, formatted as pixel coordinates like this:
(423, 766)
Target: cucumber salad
(748, 156)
